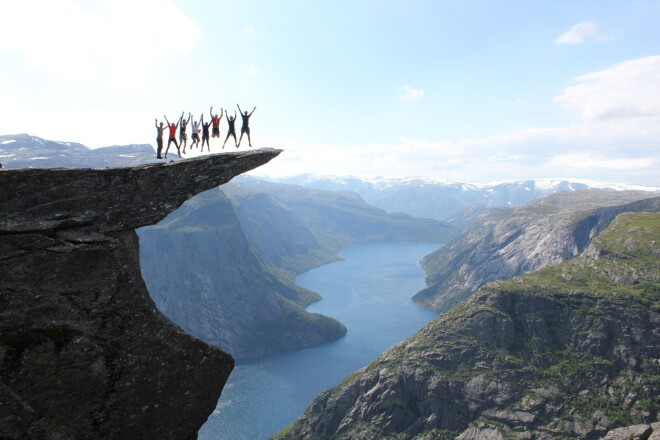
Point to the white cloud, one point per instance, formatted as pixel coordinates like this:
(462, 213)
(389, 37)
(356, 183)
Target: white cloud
(410, 94)
(606, 143)
(626, 91)
(119, 42)
(248, 30)
(581, 32)
(596, 160)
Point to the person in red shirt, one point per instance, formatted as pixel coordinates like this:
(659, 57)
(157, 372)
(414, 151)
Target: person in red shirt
(215, 120)
(172, 138)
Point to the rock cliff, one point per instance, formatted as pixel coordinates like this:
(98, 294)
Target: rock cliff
(504, 242)
(83, 351)
(569, 351)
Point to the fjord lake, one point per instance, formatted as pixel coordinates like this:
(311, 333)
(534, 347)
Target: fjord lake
(370, 292)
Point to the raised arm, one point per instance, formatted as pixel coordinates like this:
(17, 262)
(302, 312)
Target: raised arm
(239, 109)
(211, 112)
(168, 122)
(255, 107)
(156, 122)
(189, 116)
(220, 114)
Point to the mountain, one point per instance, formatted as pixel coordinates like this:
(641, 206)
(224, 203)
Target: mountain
(84, 353)
(443, 200)
(505, 242)
(204, 275)
(569, 351)
(222, 266)
(25, 151)
(312, 225)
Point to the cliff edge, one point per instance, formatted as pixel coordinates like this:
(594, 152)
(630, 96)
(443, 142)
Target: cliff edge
(84, 353)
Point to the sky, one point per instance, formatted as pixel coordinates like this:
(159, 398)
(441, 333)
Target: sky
(468, 90)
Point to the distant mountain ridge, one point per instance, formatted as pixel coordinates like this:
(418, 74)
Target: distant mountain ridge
(26, 151)
(426, 197)
(505, 242)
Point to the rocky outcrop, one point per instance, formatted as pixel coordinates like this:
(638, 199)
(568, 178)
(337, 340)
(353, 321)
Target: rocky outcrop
(83, 351)
(502, 243)
(570, 351)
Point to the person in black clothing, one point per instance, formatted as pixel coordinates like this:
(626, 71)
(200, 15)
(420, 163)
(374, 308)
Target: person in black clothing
(245, 128)
(231, 130)
(205, 133)
(159, 139)
(183, 137)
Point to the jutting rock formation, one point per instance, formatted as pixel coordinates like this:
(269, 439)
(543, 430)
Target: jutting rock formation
(84, 353)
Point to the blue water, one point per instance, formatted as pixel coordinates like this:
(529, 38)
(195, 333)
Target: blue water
(370, 293)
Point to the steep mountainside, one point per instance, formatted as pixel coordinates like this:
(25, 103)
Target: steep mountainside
(312, 225)
(443, 200)
(83, 351)
(503, 243)
(570, 351)
(203, 274)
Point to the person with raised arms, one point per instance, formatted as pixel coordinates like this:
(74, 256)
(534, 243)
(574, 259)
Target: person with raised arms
(194, 127)
(245, 128)
(172, 138)
(215, 120)
(231, 130)
(183, 136)
(205, 133)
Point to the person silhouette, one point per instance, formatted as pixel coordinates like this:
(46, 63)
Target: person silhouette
(216, 123)
(245, 128)
(159, 138)
(183, 137)
(195, 134)
(172, 138)
(205, 133)
(231, 130)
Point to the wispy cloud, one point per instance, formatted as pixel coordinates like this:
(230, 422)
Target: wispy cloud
(598, 146)
(411, 94)
(627, 90)
(581, 32)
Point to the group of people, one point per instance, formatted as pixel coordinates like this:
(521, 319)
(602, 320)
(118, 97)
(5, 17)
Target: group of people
(204, 127)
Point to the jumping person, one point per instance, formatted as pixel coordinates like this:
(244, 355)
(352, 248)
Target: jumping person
(205, 133)
(159, 138)
(231, 130)
(183, 137)
(195, 134)
(216, 123)
(172, 138)
(245, 128)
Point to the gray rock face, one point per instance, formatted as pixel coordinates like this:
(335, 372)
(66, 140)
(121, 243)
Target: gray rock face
(83, 351)
(504, 243)
(570, 351)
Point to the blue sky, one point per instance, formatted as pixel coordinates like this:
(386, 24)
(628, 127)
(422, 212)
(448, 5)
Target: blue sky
(463, 90)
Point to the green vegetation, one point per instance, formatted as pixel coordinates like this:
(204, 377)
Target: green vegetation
(572, 346)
